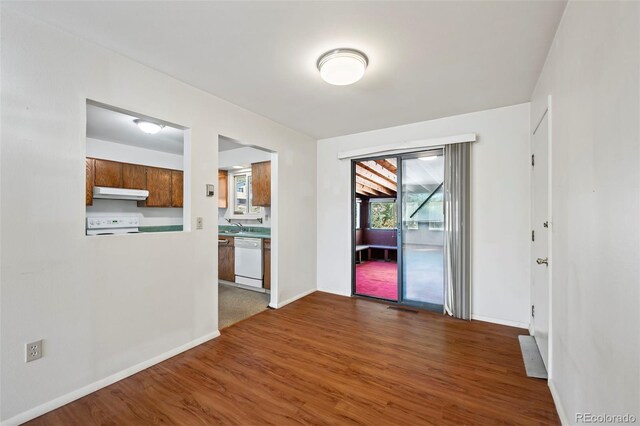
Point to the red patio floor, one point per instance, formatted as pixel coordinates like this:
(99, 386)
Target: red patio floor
(377, 279)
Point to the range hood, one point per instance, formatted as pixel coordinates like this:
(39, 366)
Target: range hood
(119, 193)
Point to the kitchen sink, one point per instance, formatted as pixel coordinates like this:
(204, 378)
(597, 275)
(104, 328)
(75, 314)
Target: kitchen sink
(235, 231)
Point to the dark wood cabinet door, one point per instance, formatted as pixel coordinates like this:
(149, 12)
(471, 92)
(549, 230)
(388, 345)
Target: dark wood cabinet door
(226, 259)
(261, 183)
(108, 173)
(159, 187)
(266, 254)
(223, 186)
(134, 176)
(89, 168)
(177, 188)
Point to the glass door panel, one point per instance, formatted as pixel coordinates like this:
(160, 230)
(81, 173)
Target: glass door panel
(375, 229)
(422, 227)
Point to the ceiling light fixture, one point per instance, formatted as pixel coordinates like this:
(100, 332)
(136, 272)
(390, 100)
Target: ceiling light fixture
(341, 67)
(148, 127)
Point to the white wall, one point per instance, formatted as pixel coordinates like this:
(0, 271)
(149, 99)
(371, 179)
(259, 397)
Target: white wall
(116, 151)
(148, 216)
(592, 74)
(242, 156)
(104, 305)
(499, 198)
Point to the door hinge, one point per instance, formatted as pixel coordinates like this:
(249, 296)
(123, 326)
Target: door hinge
(533, 235)
(533, 311)
(533, 160)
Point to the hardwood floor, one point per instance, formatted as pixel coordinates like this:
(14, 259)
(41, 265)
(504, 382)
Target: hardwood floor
(328, 359)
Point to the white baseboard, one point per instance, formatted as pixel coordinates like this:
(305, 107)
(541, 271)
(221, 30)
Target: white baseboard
(293, 299)
(559, 408)
(86, 390)
(500, 321)
(337, 293)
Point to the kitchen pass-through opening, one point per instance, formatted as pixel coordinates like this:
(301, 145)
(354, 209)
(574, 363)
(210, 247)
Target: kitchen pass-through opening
(136, 173)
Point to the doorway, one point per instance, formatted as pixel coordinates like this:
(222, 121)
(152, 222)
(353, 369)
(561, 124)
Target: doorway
(398, 229)
(247, 195)
(540, 293)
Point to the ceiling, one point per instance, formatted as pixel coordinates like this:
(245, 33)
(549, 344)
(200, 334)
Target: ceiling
(114, 126)
(427, 59)
(227, 144)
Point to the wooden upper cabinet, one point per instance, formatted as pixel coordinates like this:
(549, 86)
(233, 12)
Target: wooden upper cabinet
(134, 176)
(108, 173)
(159, 187)
(89, 168)
(261, 183)
(165, 186)
(223, 187)
(177, 187)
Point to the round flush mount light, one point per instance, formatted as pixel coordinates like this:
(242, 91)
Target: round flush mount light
(341, 67)
(148, 127)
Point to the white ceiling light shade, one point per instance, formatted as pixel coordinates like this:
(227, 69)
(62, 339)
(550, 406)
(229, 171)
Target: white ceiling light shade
(148, 127)
(341, 67)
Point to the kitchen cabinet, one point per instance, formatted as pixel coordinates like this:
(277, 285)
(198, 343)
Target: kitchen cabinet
(176, 188)
(134, 176)
(223, 189)
(108, 173)
(89, 168)
(226, 259)
(266, 261)
(261, 184)
(159, 187)
(165, 186)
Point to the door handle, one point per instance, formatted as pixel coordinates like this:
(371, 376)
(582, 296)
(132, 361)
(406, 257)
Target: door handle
(542, 261)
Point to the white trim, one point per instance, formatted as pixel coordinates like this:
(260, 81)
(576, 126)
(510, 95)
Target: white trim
(564, 420)
(406, 146)
(510, 323)
(293, 299)
(336, 292)
(109, 380)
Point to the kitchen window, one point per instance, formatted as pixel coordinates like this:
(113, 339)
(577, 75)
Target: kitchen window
(243, 197)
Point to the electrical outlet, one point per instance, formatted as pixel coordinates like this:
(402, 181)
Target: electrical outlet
(198, 223)
(33, 351)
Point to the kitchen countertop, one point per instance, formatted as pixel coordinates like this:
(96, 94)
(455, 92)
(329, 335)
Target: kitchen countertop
(248, 232)
(168, 228)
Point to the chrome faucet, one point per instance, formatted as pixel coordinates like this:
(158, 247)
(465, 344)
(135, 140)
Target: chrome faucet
(239, 225)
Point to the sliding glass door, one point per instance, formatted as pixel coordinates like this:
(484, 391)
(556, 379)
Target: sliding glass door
(422, 230)
(398, 231)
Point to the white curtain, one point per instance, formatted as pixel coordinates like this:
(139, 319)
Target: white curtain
(456, 241)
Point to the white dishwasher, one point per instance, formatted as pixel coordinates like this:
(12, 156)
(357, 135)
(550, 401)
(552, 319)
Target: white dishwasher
(248, 263)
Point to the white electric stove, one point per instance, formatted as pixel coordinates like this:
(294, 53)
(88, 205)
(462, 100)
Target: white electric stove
(113, 225)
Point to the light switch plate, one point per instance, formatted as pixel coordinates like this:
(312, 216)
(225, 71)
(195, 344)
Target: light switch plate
(210, 190)
(198, 223)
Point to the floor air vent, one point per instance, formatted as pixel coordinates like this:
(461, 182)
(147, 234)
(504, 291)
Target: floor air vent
(398, 308)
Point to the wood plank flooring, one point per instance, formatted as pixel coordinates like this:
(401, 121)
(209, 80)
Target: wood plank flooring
(328, 359)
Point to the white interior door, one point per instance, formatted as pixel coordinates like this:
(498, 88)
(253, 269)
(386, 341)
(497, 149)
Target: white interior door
(540, 250)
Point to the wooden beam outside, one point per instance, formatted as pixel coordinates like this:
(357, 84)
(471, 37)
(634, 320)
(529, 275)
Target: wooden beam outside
(379, 170)
(390, 165)
(374, 186)
(365, 190)
(369, 175)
